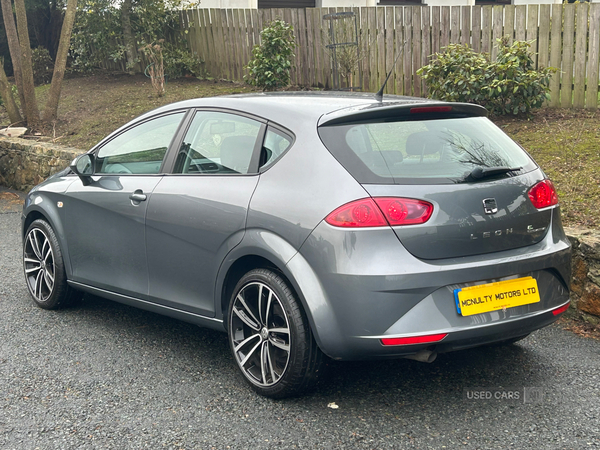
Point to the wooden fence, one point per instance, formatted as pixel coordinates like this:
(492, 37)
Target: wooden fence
(565, 36)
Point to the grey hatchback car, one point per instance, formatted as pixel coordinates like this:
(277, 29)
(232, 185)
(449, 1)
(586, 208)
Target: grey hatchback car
(308, 224)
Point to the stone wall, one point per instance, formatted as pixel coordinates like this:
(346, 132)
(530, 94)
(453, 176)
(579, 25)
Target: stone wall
(585, 289)
(25, 163)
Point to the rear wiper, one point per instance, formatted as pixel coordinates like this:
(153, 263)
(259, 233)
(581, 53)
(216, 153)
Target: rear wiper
(479, 173)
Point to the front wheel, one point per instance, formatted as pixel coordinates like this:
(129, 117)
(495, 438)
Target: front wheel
(270, 337)
(44, 268)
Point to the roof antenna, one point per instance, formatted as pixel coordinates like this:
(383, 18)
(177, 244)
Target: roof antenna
(379, 95)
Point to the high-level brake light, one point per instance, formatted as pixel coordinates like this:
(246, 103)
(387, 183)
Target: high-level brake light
(430, 109)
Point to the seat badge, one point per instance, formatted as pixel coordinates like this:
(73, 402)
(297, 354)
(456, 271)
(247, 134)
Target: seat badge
(489, 206)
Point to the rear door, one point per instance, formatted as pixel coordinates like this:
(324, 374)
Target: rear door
(198, 213)
(105, 219)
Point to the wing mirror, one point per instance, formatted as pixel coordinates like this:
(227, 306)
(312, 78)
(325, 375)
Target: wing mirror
(83, 166)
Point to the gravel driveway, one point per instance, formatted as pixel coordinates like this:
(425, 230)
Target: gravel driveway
(104, 375)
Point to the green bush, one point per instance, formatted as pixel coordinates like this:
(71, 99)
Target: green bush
(180, 62)
(271, 61)
(43, 65)
(508, 85)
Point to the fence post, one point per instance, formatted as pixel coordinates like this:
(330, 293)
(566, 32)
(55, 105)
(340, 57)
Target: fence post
(580, 54)
(555, 54)
(566, 91)
(591, 100)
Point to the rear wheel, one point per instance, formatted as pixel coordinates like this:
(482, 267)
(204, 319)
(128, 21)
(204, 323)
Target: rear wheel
(270, 337)
(44, 268)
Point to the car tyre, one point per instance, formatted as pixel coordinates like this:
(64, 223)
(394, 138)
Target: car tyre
(270, 337)
(44, 268)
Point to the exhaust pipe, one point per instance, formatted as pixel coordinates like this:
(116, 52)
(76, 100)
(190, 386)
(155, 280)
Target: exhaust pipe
(427, 356)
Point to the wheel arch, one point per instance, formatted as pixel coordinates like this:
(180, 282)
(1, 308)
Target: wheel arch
(50, 215)
(30, 218)
(262, 249)
(236, 271)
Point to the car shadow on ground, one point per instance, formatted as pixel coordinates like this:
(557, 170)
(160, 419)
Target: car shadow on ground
(198, 350)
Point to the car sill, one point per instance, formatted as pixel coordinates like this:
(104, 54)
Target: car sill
(208, 322)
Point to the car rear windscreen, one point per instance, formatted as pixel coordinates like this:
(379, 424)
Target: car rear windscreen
(424, 152)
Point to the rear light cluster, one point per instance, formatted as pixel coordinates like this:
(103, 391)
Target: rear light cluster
(381, 211)
(543, 194)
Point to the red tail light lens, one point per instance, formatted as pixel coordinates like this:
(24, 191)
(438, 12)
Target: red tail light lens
(381, 211)
(543, 194)
(404, 211)
(361, 213)
(414, 339)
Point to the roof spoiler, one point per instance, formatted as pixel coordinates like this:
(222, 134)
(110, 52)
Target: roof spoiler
(413, 110)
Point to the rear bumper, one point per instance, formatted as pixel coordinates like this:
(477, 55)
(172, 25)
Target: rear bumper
(373, 288)
(370, 347)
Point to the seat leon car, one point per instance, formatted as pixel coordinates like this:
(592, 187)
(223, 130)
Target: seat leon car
(308, 225)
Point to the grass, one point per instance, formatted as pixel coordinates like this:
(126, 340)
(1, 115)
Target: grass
(564, 142)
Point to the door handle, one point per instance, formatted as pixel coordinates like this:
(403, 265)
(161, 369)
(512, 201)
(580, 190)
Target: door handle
(138, 196)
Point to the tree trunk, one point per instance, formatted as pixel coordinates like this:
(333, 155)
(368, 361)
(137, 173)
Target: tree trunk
(30, 108)
(9, 102)
(128, 35)
(13, 46)
(51, 110)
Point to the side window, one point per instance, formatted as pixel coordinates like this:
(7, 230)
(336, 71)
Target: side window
(139, 150)
(275, 144)
(218, 143)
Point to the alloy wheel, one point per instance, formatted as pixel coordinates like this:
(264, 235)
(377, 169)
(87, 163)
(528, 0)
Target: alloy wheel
(39, 264)
(260, 334)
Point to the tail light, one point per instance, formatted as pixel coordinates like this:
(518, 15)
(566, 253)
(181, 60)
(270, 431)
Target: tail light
(361, 213)
(543, 194)
(404, 211)
(381, 211)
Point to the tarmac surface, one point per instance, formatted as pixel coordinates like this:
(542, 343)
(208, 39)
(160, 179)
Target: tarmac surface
(108, 376)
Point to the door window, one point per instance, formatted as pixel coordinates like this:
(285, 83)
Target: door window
(139, 150)
(218, 143)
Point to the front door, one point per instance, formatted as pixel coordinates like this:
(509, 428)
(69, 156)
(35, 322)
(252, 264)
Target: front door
(105, 219)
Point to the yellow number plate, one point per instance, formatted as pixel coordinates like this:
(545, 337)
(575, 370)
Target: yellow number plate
(494, 296)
